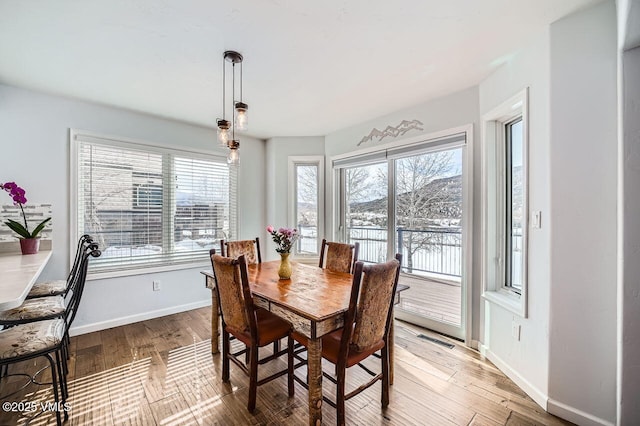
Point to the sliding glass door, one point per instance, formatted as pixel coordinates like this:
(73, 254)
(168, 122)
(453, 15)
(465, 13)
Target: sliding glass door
(413, 200)
(366, 210)
(428, 198)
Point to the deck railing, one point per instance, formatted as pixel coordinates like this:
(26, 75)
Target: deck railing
(430, 251)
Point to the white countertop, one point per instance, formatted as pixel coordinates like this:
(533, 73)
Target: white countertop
(18, 273)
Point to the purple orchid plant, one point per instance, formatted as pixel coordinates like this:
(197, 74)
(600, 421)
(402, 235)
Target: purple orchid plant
(19, 199)
(284, 238)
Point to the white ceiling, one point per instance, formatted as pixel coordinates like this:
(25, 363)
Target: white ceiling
(310, 67)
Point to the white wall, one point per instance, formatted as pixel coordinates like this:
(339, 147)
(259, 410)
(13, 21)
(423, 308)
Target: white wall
(583, 109)
(628, 377)
(629, 234)
(35, 153)
(526, 361)
(278, 151)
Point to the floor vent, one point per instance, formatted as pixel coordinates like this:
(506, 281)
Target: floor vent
(436, 341)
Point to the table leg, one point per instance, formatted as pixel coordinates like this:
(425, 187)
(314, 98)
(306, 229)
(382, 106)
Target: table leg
(215, 331)
(314, 368)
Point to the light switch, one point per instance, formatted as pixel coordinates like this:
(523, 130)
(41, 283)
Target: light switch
(536, 219)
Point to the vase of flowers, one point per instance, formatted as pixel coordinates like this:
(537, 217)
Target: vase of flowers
(29, 240)
(284, 239)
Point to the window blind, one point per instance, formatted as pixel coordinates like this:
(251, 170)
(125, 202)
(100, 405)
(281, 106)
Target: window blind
(151, 206)
(384, 154)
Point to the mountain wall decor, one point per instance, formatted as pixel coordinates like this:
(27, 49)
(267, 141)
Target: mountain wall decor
(399, 130)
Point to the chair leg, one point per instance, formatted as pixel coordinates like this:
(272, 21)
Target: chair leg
(290, 384)
(385, 376)
(340, 390)
(253, 378)
(225, 356)
(64, 387)
(54, 383)
(276, 347)
(61, 378)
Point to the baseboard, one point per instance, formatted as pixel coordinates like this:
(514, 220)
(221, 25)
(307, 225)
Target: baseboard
(474, 344)
(116, 322)
(536, 394)
(574, 415)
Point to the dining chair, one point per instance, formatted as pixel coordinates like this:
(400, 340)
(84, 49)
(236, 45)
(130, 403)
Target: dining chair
(60, 287)
(47, 339)
(249, 248)
(255, 327)
(338, 257)
(366, 331)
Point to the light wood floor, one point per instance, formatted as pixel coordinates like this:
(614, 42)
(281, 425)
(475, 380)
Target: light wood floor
(431, 299)
(161, 372)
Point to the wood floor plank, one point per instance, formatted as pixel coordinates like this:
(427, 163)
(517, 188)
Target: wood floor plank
(133, 412)
(480, 420)
(87, 340)
(172, 410)
(116, 349)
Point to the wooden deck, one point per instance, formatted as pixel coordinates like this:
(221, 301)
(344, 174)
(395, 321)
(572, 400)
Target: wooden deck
(434, 300)
(161, 372)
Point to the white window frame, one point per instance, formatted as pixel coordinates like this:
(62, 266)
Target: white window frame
(494, 204)
(311, 160)
(76, 135)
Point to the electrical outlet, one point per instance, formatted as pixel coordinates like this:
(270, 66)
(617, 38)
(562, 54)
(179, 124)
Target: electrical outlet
(156, 285)
(515, 330)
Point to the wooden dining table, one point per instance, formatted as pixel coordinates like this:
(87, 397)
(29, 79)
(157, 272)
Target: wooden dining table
(314, 300)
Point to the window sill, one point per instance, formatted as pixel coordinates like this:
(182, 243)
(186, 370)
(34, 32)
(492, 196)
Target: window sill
(144, 271)
(510, 301)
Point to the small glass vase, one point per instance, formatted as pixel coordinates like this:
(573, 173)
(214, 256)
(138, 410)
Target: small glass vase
(284, 271)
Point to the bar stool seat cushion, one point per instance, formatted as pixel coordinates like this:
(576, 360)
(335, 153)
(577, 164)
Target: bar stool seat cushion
(43, 307)
(31, 338)
(48, 288)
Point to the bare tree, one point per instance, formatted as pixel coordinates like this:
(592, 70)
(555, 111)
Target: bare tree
(363, 186)
(424, 193)
(307, 185)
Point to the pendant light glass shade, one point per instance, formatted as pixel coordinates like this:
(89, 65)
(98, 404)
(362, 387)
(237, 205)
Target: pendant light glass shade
(233, 159)
(242, 117)
(223, 132)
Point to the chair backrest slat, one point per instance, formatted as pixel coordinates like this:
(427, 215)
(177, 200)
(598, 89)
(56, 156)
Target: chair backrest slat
(249, 248)
(338, 257)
